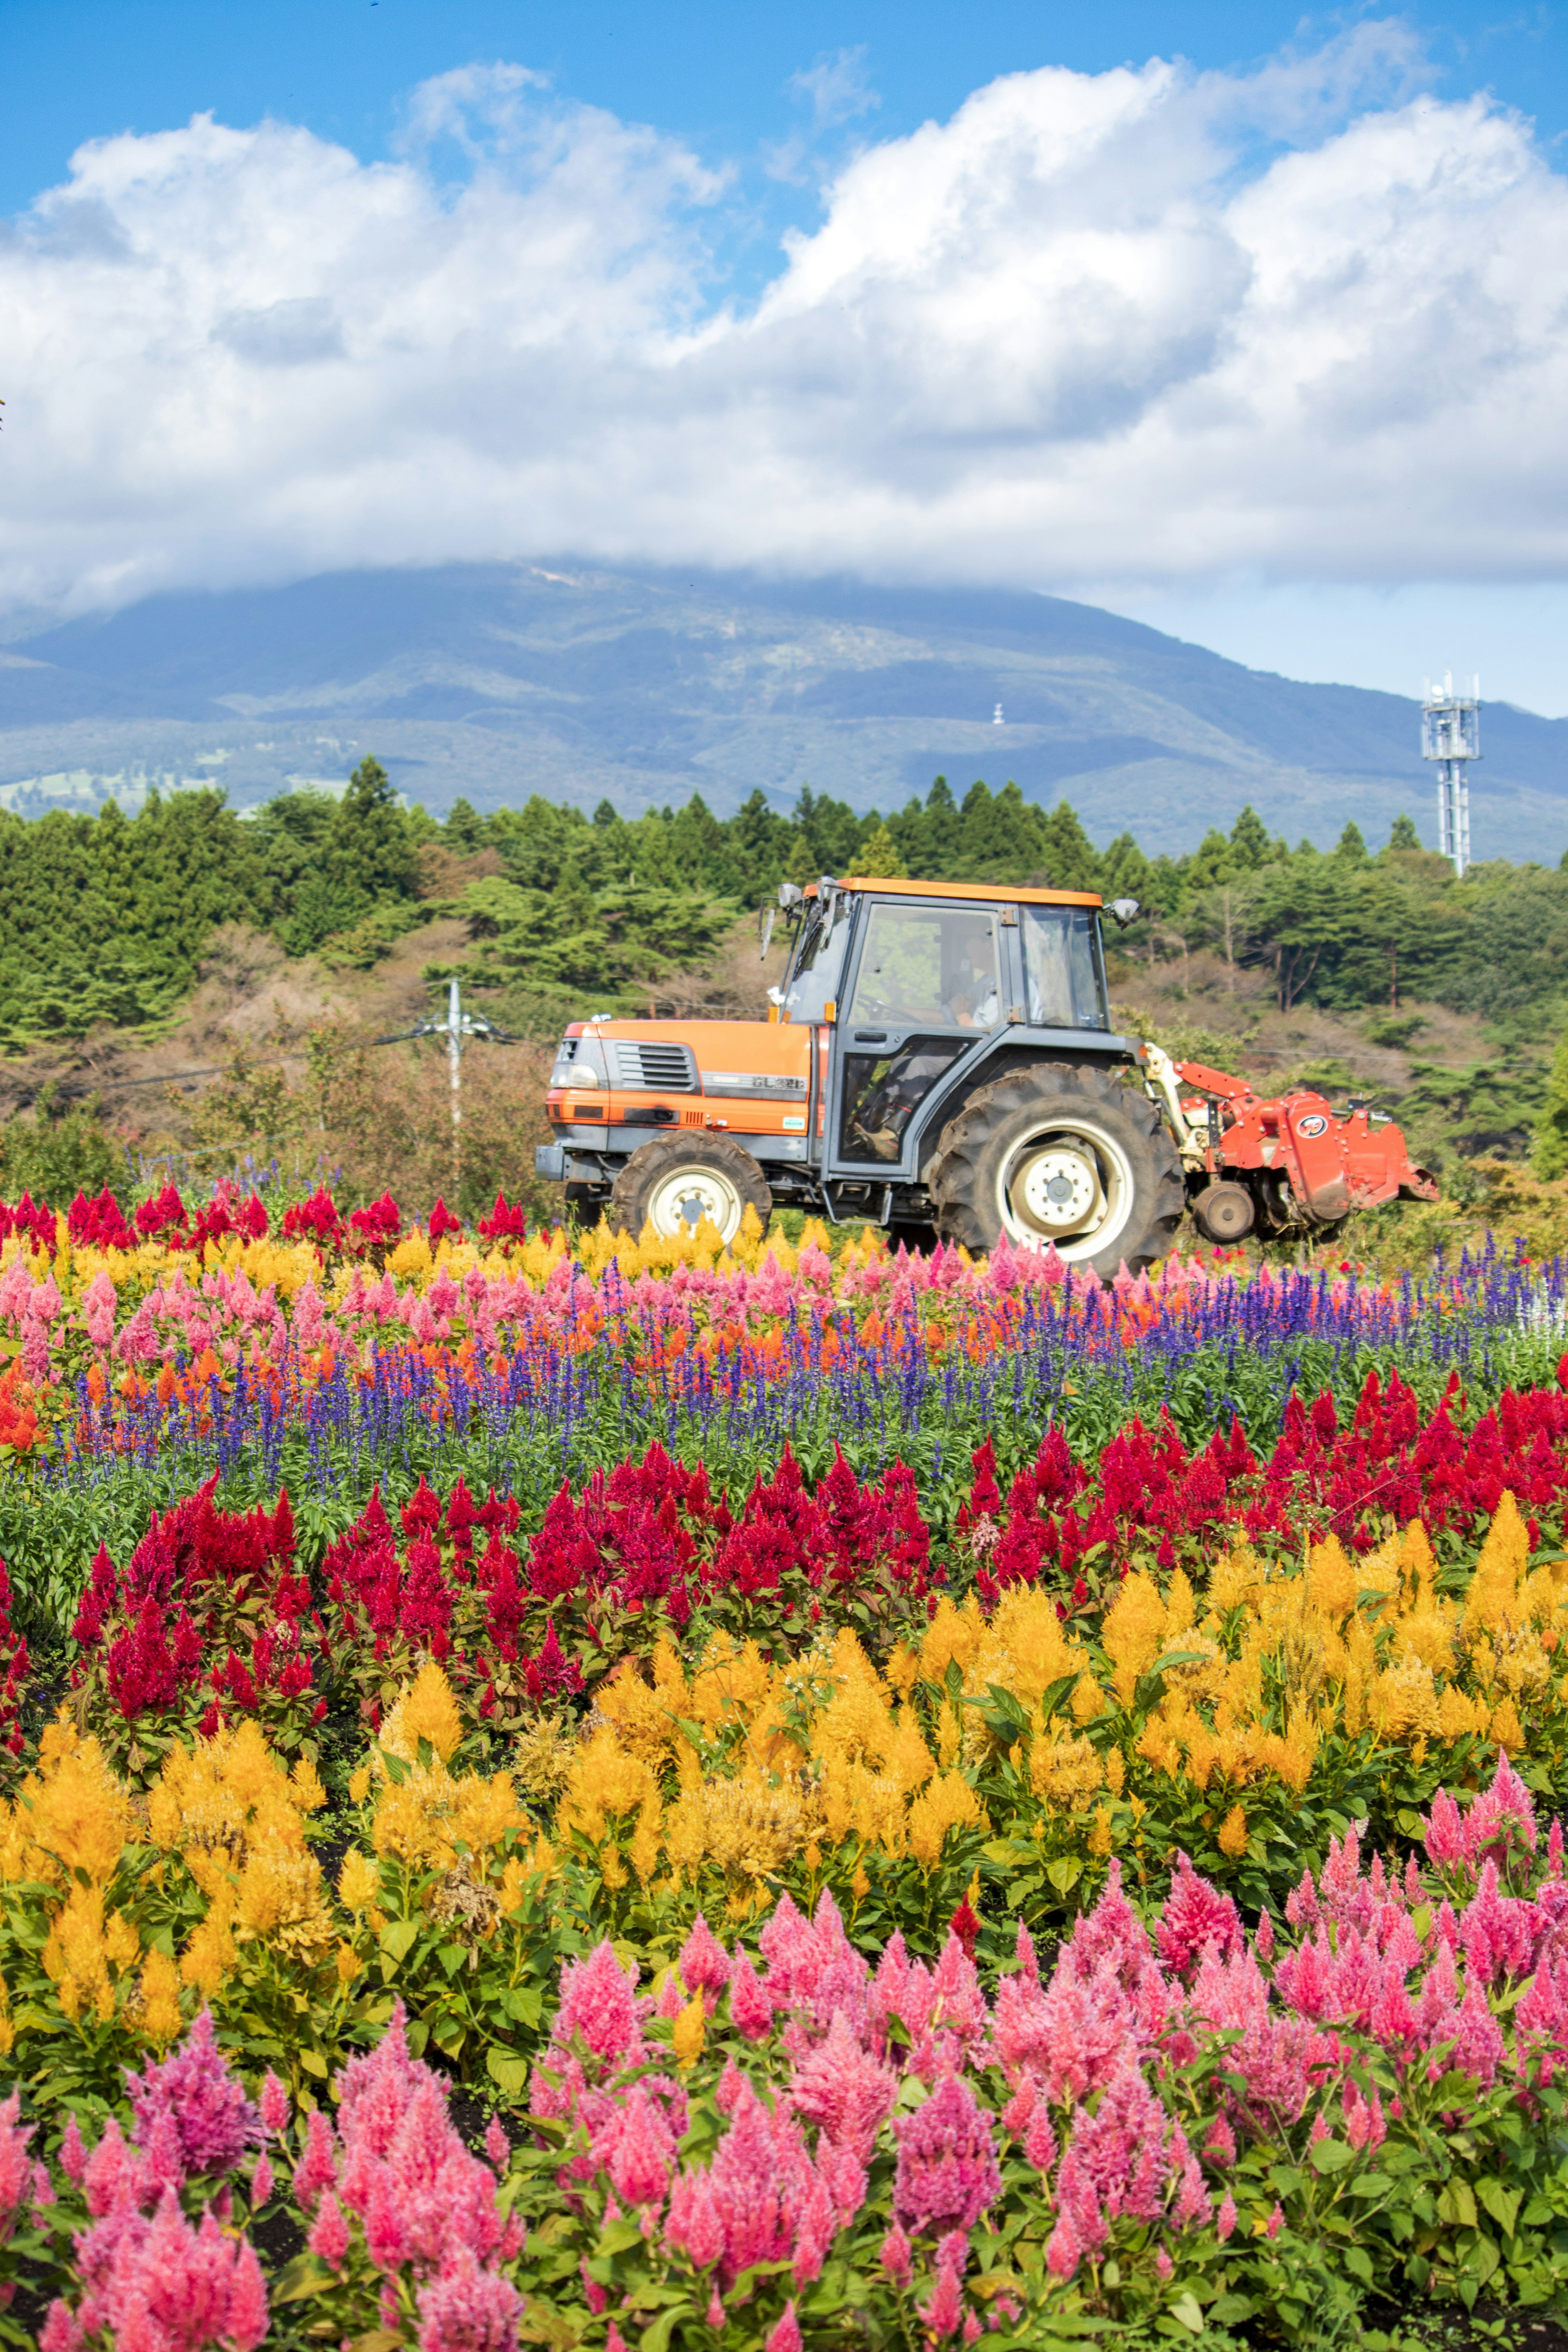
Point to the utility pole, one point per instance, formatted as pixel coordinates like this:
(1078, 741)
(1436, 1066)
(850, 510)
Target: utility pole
(455, 1028)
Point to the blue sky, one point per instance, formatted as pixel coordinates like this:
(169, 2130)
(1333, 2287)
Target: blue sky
(745, 405)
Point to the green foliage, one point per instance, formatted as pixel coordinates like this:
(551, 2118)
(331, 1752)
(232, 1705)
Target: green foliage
(62, 1150)
(1550, 1158)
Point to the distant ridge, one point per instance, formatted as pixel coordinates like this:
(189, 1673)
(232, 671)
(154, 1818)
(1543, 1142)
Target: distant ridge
(495, 681)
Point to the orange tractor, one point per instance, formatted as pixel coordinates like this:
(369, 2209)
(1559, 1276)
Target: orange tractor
(940, 1059)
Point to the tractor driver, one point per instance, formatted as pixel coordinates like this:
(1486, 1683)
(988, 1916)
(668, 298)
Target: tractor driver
(971, 1002)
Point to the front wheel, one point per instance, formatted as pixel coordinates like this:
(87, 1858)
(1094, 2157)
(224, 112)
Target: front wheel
(1065, 1157)
(674, 1182)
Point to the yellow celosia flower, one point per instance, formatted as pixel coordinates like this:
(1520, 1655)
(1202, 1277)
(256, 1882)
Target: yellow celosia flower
(1492, 1601)
(427, 1710)
(1232, 1838)
(359, 1784)
(71, 1815)
(160, 2014)
(1065, 1772)
(348, 1964)
(949, 1803)
(1133, 1634)
(689, 2033)
(359, 1881)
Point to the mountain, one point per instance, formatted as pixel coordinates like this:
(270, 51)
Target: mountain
(495, 681)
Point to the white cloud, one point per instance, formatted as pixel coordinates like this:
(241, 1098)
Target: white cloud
(1130, 330)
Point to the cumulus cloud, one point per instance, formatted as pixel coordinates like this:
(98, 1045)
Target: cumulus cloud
(1141, 327)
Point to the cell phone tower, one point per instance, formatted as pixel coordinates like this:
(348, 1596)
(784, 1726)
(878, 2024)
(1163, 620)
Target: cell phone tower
(1451, 734)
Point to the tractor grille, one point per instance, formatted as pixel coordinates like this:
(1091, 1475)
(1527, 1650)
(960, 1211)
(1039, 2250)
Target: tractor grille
(653, 1069)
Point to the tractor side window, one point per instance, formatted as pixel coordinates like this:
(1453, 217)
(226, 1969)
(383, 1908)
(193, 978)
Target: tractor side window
(1061, 959)
(814, 983)
(882, 1093)
(931, 968)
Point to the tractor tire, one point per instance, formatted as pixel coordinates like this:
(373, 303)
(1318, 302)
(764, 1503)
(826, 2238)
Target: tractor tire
(675, 1181)
(1059, 1154)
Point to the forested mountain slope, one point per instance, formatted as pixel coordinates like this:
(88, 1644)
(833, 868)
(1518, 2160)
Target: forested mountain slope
(490, 682)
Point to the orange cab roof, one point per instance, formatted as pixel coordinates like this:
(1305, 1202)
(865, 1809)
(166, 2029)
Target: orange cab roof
(966, 890)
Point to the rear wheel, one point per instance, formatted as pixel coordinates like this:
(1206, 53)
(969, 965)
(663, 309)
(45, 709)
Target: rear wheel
(675, 1180)
(1063, 1156)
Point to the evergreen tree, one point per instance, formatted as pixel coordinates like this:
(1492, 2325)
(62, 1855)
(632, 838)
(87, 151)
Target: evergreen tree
(1350, 844)
(1068, 855)
(372, 854)
(1250, 846)
(879, 857)
(1403, 836)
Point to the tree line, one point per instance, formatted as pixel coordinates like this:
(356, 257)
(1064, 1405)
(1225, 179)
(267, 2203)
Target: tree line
(105, 919)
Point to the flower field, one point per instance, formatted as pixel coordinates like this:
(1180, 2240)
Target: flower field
(566, 1791)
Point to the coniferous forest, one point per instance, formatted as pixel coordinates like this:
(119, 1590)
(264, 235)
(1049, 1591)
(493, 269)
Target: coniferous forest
(105, 919)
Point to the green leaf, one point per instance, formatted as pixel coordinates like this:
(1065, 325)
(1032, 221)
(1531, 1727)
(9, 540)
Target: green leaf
(398, 1937)
(1456, 2205)
(1331, 2156)
(1502, 2204)
(1064, 1873)
(306, 2275)
(1358, 2261)
(511, 2074)
(657, 2338)
(1185, 2308)
(314, 2064)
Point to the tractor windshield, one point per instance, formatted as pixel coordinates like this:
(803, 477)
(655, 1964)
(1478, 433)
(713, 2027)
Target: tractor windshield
(1062, 961)
(812, 983)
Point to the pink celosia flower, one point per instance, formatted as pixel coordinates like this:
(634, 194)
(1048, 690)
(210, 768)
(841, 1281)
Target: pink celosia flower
(468, 2308)
(1195, 1915)
(599, 2006)
(498, 2148)
(213, 2119)
(1163, 2265)
(1224, 2220)
(943, 2312)
(895, 2256)
(1275, 2222)
(704, 1964)
(784, 2335)
(1263, 1942)
(644, 2148)
(318, 2167)
(840, 2087)
(260, 2181)
(1041, 2141)
(1063, 2252)
(274, 2104)
(693, 2222)
(329, 2234)
(751, 2006)
(73, 2154)
(947, 2169)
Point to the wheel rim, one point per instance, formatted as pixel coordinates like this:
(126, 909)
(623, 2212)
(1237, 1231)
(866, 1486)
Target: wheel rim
(1070, 1183)
(681, 1200)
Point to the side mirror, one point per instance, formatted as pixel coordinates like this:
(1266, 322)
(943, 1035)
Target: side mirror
(766, 918)
(790, 895)
(1124, 911)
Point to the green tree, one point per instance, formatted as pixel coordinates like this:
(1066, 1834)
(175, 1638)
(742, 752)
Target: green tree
(1403, 836)
(1069, 859)
(371, 853)
(1350, 844)
(1250, 846)
(1550, 1158)
(880, 857)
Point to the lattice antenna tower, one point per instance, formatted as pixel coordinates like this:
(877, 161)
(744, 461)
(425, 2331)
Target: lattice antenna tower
(1451, 734)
